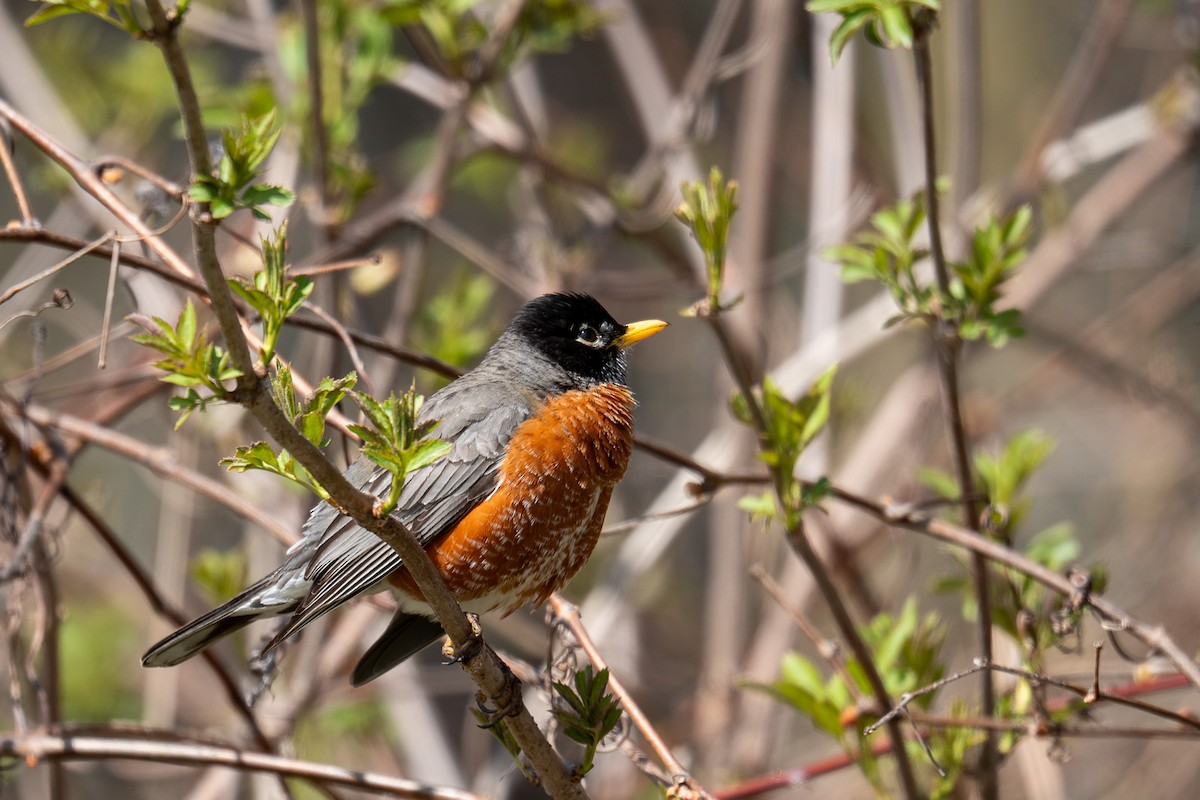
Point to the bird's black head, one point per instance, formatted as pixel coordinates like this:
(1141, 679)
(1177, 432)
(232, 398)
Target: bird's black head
(581, 341)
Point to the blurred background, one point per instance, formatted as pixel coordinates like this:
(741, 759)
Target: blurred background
(428, 216)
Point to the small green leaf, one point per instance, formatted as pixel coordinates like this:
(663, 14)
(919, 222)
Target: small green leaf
(761, 507)
(896, 26)
(851, 24)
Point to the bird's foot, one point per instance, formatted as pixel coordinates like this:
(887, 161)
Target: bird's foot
(264, 667)
(509, 703)
(469, 649)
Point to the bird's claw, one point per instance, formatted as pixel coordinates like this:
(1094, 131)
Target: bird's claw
(508, 703)
(469, 649)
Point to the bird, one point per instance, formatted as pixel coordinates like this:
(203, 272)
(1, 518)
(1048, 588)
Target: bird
(540, 432)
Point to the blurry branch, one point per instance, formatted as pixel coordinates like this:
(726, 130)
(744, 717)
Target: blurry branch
(568, 615)
(636, 522)
(1081, 353)
(361, 339)
(101, 249)
(1090, 695)
(797, 776)
(1096, 347)
(710, 479)
(17, 288)
(52, 458)
(1110, 615)
(160, 459)
(1064, 108)
(316, 110)
(60, 298)
(707, 211)
(378, 344)
(827, 648)
(1103, 204)
(163, 746)
(947, 342)
(28, 220)
(968, 98)
(104, 166)
(341, 332)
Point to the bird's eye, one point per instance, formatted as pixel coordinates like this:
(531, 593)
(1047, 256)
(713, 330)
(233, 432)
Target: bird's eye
(588, 335)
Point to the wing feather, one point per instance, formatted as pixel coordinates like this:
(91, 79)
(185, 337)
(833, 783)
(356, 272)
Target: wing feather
(347, 560)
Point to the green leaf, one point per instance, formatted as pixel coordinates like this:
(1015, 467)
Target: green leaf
(942, 483)
(261, 194)
(204, 190)
(707, 211)
(761, 507)
(798, 671)
(896, 26)
(428, 452)
(851, 24)
(220, 208)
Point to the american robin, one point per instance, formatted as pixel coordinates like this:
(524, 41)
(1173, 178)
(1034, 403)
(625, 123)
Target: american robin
(541, 432)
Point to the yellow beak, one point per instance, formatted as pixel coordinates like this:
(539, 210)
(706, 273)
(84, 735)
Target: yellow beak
(636, 331)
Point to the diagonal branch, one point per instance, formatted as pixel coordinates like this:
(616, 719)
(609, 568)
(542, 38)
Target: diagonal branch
(488, 671)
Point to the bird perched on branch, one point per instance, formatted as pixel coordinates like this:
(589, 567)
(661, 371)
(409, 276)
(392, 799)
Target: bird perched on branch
(540, 433)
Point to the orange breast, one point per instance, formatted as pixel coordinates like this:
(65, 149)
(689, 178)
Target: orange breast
(540, 525)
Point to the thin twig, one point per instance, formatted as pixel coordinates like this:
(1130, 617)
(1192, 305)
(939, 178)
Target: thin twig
(1111, 614)
(103, 163)
(317, 270)
(799, 542)
(630, 524)
(1096, 44)
(109, 292)
(339, 330)
(28, 220)
(826, 647)
(568, 614)
(161, 460)
(60, 299)
(948, 345)
(47, 464)
(17, 288)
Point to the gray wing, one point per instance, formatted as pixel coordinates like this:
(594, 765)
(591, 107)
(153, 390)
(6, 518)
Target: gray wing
(345, 560)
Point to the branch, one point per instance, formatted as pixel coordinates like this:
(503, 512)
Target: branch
(903, 516)
(948, 344)
(156, 746)
(798, 540)
(568, 614)
(483, 665)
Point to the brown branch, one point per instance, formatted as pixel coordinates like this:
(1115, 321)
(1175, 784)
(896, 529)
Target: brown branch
(106, 163)
(316, 111)
(798, 541)
(375, 343)
(948, 344)
(905, 517)
(28, 220)
(86, 248)
(488, 671)
(160, 459)
(568, 614)
(48, 465)
(157, 746)
(1063, 110)
(826, 647)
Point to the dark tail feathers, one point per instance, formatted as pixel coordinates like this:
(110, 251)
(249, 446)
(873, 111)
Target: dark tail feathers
(406, 634)
(216, 624)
